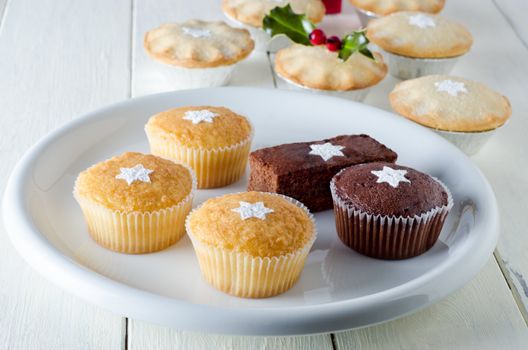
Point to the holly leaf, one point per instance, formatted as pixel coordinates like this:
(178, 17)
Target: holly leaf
(282, 20)
(355, 42)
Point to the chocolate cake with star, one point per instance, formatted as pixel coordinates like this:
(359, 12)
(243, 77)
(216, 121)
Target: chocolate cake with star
(388, 211)
(303, 170)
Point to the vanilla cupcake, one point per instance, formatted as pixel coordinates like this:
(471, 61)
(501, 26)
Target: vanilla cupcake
(465, 112)
(250, 13)
(371, 9)
(418, 44)
(319, 70)
(214, 141)
(197, 53)
(135, 203)
(251, 244)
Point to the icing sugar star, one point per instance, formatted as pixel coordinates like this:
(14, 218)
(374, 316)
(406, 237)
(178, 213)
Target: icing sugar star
(327, 151)
(197, 117)
(391, 176)
(137, 173)
(252, 210)
(451, 87)
(421, 21)
(197, 32)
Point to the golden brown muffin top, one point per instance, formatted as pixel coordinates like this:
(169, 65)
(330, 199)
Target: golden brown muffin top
(198, 44)
(282, 228)
(386, 7)
(252, 12)
(205, 127)
(135, 182)
(450, 103)
(419, 35)
(318, 68)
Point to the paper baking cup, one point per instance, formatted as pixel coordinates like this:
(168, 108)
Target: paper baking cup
(216, 167)
(259, 36)
(243, 275)
(136, 232)
(389, 237)
(355, 95)
(365, 16)
(468, 142)
(190, 78)
(404, 68)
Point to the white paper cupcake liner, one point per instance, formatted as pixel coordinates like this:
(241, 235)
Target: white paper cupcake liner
(389, 237)
(216, 167)
(259, 36)
(243, 275)
(365, 17)
(403, 67)
(136, 232)
(189, 78)
(355, 95)
(468, 142)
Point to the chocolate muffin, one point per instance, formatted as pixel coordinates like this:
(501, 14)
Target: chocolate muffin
(303, 170)
(388, 211)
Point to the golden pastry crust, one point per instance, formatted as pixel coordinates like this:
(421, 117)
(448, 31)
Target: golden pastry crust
(252, 12)
(423, 101)
(221, 45)
(226, 129)
(386, 7)
(287, 229)
(170, 183)
(397, 35)
(318, 68)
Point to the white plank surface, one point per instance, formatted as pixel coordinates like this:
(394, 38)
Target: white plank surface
(515, 12)
(481, 316)
(55, 64)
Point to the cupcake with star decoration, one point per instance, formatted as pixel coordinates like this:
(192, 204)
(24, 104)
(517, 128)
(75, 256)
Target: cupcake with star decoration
(343, 67)
(388, 211)
(214, 141)
(465, 112)
(417, 44)
(251, 244)
(197, 53)
(135, 203)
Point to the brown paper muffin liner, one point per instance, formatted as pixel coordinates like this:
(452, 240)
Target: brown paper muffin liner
(136, 232)
(244, 275)
(216, 167)
(389, 237)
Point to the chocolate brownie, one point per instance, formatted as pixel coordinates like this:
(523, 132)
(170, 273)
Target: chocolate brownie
(303, 170)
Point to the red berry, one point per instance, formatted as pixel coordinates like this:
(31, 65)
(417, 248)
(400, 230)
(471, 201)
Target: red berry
(317, 37)
(333, 43)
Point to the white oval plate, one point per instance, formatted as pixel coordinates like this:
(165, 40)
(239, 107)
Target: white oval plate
(339, 289)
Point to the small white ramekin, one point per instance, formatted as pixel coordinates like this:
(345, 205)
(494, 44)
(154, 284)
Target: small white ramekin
(365, 16)
(190, 78)
(468, 142)
(403, 67)
(355, 95)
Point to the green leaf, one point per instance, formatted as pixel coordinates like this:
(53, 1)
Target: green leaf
(282, 20)
(355, 42)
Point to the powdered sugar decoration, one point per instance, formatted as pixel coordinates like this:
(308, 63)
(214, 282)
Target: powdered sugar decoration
(327, 151)
(252, 210)
(197, 117)
(453, 88)
(391, 176)
(197, 32)
(137, 173)
(422, 21)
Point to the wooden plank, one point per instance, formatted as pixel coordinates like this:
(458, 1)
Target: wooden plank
(253, 72)
(482, 315)
(515, 12)
(59, 59)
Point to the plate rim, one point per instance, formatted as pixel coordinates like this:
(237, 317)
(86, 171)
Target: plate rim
(44, 257)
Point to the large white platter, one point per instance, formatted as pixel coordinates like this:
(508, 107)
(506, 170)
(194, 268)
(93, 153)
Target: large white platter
(339, 289)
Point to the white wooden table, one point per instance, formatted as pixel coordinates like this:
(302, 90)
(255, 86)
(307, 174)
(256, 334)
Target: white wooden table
(59, 59)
